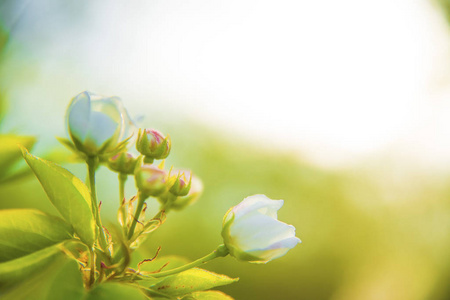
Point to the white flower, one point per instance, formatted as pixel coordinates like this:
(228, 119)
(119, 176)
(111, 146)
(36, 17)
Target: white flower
(251, 231)
(96, 124)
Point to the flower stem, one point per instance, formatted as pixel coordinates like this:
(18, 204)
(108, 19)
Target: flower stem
(92, 266)
(140, 205)
(221, 251)
(92, 162)
(122, 179)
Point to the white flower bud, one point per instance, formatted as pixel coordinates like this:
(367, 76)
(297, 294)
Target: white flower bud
(96, 124)
(251, 231)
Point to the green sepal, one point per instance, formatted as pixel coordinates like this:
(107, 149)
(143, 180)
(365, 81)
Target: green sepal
(175, 187)
(122, 146)
(123, 163)
(164, 149)
(68, 194)
(151, 151)
(80, 156)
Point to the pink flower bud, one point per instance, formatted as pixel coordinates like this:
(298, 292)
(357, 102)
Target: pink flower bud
(123, 162)
(153, 144)
(194, 193)
(150, 180)
(180, 183)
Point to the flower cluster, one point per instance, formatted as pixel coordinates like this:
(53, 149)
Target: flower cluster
(101, 132)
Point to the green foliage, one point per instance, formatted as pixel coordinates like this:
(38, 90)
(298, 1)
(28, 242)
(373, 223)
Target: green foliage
(72, 199)
(60, 280)
(207, 295)
(189, 281)
(445, 5)
(65, 283)
(15, 270)
(10, 153)
(115, 291)
(68, 194)
(24, 231)
(76, 257)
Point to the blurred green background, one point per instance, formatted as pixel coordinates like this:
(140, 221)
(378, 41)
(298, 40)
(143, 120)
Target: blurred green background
(377, 228)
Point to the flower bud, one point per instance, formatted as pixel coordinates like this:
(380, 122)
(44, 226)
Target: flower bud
(153, 144)
(150, 180)
(251, 231)
(123, 162)
(194, 193)
(96, 124)
(180, 183)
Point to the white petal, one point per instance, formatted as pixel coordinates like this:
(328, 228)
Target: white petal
(257, 231)
(102, 128)
(260, 203)
(110, 106)
(78, 114)
(276, 250)
(129, 127)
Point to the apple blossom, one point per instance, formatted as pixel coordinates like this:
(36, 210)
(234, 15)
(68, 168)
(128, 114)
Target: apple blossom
(251, 231)
(96, 124)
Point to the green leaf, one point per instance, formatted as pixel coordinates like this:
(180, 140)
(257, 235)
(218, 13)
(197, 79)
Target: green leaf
(68, 194)
(207, 295)
(190, 281)
(18, 269)
(115, 291)
(61, 280)
(24, 231)
(67, 283)
(10, 152)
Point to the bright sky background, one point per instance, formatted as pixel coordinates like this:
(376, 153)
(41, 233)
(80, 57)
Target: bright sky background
(337, 80)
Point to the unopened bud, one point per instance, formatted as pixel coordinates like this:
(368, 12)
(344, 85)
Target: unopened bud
(194, 193)
(123, 162)
(153, 144)
(150, 180)
(180, 183)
